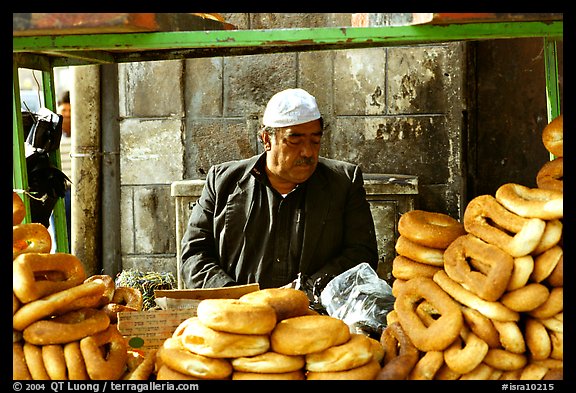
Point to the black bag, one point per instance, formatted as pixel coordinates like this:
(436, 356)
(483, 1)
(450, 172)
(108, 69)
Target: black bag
(42, 130)
(46, 183)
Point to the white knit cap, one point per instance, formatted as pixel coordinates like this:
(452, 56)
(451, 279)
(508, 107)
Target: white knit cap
(290, 107)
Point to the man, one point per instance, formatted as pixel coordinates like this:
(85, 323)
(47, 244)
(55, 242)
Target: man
(286, 211)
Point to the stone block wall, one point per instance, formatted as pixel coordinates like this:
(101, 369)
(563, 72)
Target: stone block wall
(396, 110)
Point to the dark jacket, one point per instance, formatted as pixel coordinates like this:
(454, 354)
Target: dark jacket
(338, 228)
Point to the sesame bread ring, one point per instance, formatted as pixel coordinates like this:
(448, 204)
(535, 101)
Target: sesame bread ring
(355, 352)
(18, 209)
(466, 352)
(129, 297)
(444, 330)
(235, 316)
(511, 336)
(419, 253)
(430, 229)
(31, 279)
(553, 136)
(366, 372)
(481, 326)
(75, 361)
(502, 359)
(491, 310)
(68, 327)
(20, 370)
(523, 268)
(176, 357)
(308, 334)
(144, 370)
(30, 238)
(556, 278)
(54, 303)
(489, 285)
(108, 294)
(165, 373)
(105, 354)
(551, 236)
(405, 268)
(400, 355)
(297, 375)
(537, 339)
(427, 366)
(551, 175)
(377, 349)
(202, 340)
(35, 362)
(487, 219)
(526, 298)
(545, 263)
(553, 305)
(288, 302)
(531, 202)
(55, 361)
(269, 362)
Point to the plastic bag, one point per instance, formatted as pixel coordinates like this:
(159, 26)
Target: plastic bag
(360, 298)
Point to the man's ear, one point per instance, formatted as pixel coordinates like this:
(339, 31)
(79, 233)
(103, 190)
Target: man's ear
(266, 140)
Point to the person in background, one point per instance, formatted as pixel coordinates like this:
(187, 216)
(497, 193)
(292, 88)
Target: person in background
(63, 108)
(285, 212)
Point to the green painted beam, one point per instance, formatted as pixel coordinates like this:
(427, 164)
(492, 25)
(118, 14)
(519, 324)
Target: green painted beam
(343, 37)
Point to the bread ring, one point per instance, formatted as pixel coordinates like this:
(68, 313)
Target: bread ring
(405, 268)
(235, 316)
(105, 354)
(553, 305)
(427, 366)
(551, 175)
(523, 268)
(526, 298)
(533, 372)
(553, 136)
(52, 304)
(481, 326)
(481, 373)
(145, 369)
(297, 375)
(377, 349)
(308, 333)
(444, 330)
(554, 374)
(400, 354)
(367, 371)
(175, 356)
(505, 360)
(537, 339)
(29, 272)
(20, 370)
(108, 294)
(553, 323)
(466, 352)
(556, 278)
(531, 202)
(18, 209)
(551, 236)
(445, 373)
(355, 352)
(129, 297)
(490, 285)
(269, 362)
(68, 327)
(54, 361)
(30, 238)
(485, 216)
(75, 361)
(165, 373)
(288, 302)
(112, 310)
(557, 340)
(430, 229)
(511, 336)
(545, 263)
(202, 340)
(419, 253)
(492, 310)
(35, 362)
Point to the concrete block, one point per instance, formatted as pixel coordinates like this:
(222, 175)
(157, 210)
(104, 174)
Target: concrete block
(154, 220)
(127, 220)
(203, 90)
(151, 151)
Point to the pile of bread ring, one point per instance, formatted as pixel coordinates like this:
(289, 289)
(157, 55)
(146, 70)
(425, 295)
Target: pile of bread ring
(64, 323)
(268, 334)
(482, 298)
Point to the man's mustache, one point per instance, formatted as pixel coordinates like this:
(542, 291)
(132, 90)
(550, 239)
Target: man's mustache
(305, 161)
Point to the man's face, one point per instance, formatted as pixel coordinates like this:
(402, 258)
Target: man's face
(292, 155)
(64, 110)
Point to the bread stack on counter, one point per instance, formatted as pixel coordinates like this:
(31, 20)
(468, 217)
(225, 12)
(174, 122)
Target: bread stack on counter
(482, 299)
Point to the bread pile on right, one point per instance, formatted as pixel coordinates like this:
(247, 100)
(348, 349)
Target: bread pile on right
(483, 298)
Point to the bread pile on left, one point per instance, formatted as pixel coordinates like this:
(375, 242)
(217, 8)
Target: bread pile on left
(63, 322)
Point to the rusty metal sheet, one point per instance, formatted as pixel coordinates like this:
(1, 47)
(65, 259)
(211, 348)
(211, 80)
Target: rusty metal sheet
(28, 24)
(445, 18)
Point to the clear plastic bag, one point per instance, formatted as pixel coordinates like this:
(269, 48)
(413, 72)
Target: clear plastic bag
(360, 298)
